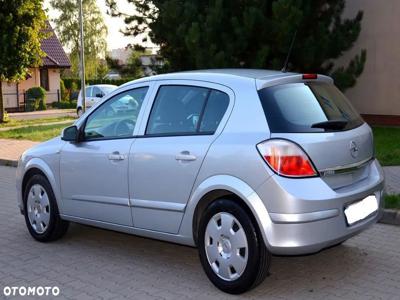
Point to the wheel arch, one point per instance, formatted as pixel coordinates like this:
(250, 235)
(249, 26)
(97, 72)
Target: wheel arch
(225, 186)
(38, 166)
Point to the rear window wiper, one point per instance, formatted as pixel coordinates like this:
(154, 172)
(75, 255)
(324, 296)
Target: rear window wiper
(331, 124)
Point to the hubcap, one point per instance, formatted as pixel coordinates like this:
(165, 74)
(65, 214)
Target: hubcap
(226, 246)
(38, 208)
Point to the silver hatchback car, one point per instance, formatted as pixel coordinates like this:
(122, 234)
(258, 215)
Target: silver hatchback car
(240, 163)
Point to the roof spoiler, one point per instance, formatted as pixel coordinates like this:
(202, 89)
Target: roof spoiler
(283, 78)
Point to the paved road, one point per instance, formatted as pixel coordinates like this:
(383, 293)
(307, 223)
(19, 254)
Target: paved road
(91, 263)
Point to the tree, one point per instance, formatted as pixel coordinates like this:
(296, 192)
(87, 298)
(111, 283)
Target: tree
(95, 33)
(133, 67)
(20, 36)
(249, 33)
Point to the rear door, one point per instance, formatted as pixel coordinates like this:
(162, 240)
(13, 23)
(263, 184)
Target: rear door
(318, 117)
(184, 119)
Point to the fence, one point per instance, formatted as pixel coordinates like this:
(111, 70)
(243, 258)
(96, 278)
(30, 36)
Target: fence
(16, 102)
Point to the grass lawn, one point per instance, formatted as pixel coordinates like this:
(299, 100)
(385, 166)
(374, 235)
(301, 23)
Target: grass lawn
(17, 123)
(387, 145)
(392, 201)
(34, 133)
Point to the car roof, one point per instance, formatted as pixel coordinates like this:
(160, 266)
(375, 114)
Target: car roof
(227, 76)
(105, 85)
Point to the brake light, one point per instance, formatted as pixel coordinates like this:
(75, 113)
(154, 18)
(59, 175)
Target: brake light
(286, 158)
(310, 76)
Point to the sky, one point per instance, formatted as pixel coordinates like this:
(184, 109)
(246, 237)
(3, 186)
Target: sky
(115, 38)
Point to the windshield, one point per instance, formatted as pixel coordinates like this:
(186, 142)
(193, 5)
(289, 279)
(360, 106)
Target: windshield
(307, 107)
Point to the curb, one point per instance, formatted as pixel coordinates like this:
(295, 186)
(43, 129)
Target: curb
(391, 217)
(8, 162)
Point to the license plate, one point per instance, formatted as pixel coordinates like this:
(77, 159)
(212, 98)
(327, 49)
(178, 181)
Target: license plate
(360, 210)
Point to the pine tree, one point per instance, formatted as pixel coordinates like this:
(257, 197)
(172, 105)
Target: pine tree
(249, 33)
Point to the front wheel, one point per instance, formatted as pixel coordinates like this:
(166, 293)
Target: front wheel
(231, 249)
(41, 212)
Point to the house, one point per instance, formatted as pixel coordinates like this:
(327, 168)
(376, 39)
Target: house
(46, 76)
(149, 62)
(377, 92)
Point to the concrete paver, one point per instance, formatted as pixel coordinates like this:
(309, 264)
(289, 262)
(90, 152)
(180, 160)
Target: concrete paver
(90, 263)
(12, 149)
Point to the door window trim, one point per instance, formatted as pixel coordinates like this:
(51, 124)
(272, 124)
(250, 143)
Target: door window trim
(197, 132)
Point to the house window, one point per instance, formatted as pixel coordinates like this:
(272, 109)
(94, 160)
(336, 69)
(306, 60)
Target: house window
(44, 79)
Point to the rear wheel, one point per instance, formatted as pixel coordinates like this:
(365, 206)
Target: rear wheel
(231, 249)
(41, 211)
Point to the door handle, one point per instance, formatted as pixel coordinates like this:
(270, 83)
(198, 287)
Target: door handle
(116, 156)
(185, 156)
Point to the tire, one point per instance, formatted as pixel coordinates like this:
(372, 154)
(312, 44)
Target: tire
(231, 249)
(41, 212)
(79, 112)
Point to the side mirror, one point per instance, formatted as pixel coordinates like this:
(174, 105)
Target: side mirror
(70, 134)
(99, 95)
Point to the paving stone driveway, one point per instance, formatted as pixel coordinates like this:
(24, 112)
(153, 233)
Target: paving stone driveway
(91, 263)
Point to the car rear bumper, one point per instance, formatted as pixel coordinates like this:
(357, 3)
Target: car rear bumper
(308, 216)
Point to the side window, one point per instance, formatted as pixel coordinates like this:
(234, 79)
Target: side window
(216, 106)
(177, 110)
(96, 92)
(117, 117)
(88, 91)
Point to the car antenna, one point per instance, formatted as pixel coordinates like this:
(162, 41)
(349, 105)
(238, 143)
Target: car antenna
(284, 69)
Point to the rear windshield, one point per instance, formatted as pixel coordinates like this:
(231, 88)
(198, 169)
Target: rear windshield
(307, 107)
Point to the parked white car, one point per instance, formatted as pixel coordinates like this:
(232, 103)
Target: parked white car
(93, 94)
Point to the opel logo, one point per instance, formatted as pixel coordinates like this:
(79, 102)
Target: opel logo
(354, 149)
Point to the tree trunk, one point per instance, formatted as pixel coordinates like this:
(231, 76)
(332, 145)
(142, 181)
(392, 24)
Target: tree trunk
(1, 104)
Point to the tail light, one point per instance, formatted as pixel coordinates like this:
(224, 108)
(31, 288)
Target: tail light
(286, 158)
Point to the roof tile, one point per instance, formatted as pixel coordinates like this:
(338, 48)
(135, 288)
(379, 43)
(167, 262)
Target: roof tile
(55, 54)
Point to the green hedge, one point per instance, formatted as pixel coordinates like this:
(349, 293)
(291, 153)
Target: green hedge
(65, 104)
(35, 99)
(71, 83)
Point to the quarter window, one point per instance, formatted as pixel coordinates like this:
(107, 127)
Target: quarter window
(117, 117)
(215, 109)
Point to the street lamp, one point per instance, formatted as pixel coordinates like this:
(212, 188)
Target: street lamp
(82, 55)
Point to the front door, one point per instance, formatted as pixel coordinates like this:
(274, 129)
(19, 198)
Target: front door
(165, 161)
(94, 172)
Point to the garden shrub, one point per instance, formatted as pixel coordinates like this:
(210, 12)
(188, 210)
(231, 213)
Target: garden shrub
(65, 104)
(35, 99)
